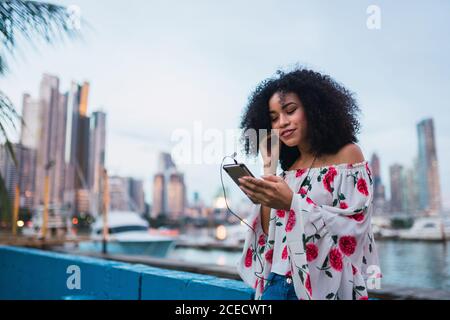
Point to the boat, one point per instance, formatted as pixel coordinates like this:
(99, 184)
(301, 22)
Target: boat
(128, 234)
(427, 228)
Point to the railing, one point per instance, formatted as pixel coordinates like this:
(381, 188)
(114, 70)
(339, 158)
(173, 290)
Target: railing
(36, 274)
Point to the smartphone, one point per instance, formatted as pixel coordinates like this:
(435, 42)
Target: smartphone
(236, 171)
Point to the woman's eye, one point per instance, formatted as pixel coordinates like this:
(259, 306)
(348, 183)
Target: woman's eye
(274, 119)
(291, 111)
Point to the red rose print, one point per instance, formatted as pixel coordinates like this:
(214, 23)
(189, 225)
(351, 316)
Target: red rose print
(357, 216)
(289, 273)
(343, 205)
(291, 221)
(347, 244)
(349, 166)
(364, 298)
(269, 255)
(262, 240)
(354, 270)
(362, 186)
(308, 284)
(312, 252)
(284, 254)
(256, 283)
(308, 199)
(302, 191)
(254, 223)
(335, 259)
(262, 286)
(300, 172)
(281, 213)
(249, 258)
(329, 178)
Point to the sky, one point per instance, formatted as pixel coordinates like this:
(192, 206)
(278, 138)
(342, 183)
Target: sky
(159, 66)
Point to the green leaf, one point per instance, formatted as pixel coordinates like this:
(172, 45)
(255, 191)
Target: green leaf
(279, 223)
(319, 178)
(360, 288)
(300, 273)
(370, 247)
(335, 237)
(261, 250)
(271, 241)
(324, 171)
(335, 202)
(284, 239)
(328, 273)
(330, 295)
(341, 196)
(325, 263)
(317, 236)
(364, 260)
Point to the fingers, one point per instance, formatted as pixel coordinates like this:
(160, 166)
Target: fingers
(256, 185)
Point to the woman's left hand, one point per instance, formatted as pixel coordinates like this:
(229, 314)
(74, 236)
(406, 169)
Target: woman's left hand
(271, 191)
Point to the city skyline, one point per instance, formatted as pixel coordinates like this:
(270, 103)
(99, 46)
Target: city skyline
(209, 73)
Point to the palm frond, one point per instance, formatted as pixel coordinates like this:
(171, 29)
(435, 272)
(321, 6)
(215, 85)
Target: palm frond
(33, 20)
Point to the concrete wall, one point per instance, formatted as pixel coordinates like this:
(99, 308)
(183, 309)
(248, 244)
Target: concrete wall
(35, 274)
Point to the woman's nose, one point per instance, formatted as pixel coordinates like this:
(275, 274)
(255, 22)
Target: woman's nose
(283, 121)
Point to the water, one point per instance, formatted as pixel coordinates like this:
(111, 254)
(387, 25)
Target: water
(403, 263)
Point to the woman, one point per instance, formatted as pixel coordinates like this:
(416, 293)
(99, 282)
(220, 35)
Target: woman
(311, 236)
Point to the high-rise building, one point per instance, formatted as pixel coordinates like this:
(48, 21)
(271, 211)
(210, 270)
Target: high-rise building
(159, 190)
(169, 190)
(428, 173)
(31, 125)
(397, 188)
(22, 175)
(410, 195)
(136, 195)
(76, 152)
(176, 194)
(379, 198)
(97, 143)
(51, 142)
(119, 199)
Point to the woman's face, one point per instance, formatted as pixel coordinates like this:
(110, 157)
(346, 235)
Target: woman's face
(288, 116)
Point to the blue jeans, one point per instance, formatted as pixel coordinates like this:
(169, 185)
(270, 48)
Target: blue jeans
(277, 288)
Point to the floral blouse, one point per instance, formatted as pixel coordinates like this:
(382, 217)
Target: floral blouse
(325, 241)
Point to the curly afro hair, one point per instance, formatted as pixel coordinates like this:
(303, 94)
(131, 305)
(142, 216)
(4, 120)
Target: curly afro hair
(330, 109)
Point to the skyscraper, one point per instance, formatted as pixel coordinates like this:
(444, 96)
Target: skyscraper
(97, 142)
(159, 190)
(397, 188)
(136, 194)
(169, 191)
(176, 192)
(76, 152)
(31, 126)
(379, 198)
(51, 142)
(22, 175)
(428, 174)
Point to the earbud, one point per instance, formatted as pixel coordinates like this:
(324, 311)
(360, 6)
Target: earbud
(234, 155)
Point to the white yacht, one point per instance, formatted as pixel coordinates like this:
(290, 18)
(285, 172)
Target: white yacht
(128, 234)
(428, 228)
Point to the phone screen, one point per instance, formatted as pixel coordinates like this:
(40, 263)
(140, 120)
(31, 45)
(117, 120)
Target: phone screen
(236, 171)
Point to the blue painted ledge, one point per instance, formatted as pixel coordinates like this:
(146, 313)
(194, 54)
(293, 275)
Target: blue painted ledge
(36, 274)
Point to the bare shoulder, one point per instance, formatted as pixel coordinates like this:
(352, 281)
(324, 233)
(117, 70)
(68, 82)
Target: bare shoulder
(350, 153)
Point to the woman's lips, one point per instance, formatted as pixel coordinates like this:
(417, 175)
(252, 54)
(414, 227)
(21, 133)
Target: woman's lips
(287, 133)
